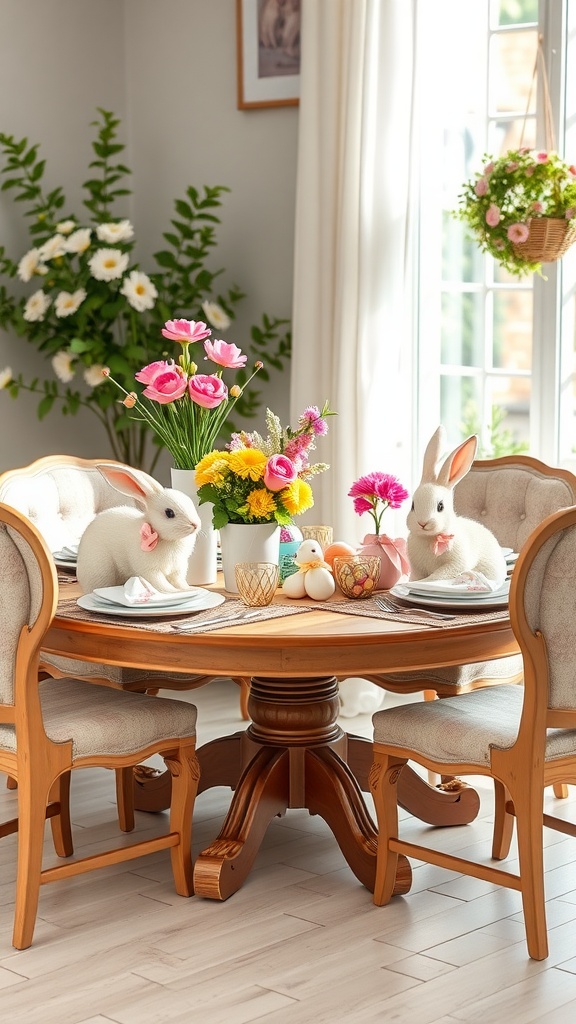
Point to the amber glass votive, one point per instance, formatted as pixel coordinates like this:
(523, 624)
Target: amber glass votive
(357, 576)
(256, 582)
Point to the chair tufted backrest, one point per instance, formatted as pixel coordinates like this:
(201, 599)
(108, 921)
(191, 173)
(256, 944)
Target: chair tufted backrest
(549, 606)
(513, 495)
(60, 495)
(22, 595)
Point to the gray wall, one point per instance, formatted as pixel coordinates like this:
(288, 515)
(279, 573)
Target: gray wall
(167, 68)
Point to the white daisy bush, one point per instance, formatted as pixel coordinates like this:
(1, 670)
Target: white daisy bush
(82, 299)
(500, 201)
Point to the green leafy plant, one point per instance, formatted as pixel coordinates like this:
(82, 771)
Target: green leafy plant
(501, 440)
(500, 202)
(90, 305)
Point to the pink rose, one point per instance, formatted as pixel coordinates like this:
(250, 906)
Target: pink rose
(279, 472)
(166, 381)
(570, 213)
(207, 390)
(481, 187)
(518, 233)
(513, 166)
(493, 215)
(489, 168)
(537, 207)
(542, 157)
(185, 331)
(225, 355)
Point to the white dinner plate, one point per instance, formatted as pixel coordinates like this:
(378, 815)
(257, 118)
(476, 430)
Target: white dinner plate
(455, 592)
(91, 604)
(117, 596)
(62, 563)
(490, 602)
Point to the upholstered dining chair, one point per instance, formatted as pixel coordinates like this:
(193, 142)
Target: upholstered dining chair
(511, 496)
(61, 494)
(522, 737)
(50, 727)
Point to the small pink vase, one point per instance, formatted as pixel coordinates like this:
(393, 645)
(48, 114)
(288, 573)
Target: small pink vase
(392, 554)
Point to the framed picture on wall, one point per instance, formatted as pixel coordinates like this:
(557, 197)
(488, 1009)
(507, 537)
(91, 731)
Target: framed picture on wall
(268, 41)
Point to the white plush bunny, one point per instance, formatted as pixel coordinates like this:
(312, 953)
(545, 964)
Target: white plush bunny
(154, 542)
(441, 544)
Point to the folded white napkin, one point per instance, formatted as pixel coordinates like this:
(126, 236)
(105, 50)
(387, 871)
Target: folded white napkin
(138, 591)
(469, 582)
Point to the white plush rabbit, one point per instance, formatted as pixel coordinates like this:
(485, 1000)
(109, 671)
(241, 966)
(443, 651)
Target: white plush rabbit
(154, 541)
(441, 544)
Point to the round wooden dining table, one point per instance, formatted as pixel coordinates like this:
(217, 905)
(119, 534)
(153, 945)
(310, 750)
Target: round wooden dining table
(294, 752)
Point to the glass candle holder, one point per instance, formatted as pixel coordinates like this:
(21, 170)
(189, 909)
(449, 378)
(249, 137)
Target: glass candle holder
(256, 582)
(323, 534)
(357, 576)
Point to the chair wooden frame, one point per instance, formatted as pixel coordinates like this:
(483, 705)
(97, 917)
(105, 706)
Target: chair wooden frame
(520, 772)
(42, 767)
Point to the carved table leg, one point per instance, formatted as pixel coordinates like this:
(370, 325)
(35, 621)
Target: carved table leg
(221, 762)
(294, 729)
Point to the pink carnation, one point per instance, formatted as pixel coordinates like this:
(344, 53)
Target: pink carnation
(518, 233)
(185, 331)
(493, 215)
(279, 472)
(207, 390)
(225, 355)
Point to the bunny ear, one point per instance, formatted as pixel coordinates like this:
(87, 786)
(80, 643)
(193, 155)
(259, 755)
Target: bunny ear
(130, 481)
(434, 450)
(458, 462)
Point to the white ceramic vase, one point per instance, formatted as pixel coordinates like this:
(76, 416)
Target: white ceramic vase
(202, 566)
(247, 542)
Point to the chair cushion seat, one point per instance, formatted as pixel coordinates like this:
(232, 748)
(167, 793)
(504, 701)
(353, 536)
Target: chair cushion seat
(463, 729)
(106, 722)
(464, 676)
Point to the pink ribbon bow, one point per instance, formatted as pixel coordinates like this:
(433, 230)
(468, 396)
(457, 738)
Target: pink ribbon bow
(148, 537)
(443, 542)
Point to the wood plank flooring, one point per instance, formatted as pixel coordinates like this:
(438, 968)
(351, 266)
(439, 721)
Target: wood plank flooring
(300, 943)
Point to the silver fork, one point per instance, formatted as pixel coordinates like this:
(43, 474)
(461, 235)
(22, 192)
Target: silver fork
(387, 606)
(239, 616)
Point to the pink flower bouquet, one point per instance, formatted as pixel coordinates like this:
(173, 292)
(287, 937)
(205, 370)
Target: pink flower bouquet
(374, 493)
(186, 409)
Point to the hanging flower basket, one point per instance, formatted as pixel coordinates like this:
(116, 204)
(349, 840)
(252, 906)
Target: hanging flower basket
(521, 208)
(548, 239)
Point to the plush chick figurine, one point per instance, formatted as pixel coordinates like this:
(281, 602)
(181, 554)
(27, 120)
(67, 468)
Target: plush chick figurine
(314, 577)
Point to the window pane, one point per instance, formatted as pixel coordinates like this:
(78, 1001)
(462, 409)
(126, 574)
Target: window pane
(512, 57)
(510, 396)
(460, 405)
(511, 134)
(462, 329)
(514, 12)
(512, 330)
(462, 259)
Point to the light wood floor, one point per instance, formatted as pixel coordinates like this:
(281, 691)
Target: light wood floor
(301, 943)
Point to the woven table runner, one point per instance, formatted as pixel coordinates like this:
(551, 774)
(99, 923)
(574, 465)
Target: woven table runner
(68, 608)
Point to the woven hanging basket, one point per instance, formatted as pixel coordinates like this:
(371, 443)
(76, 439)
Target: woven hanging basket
(549, 239)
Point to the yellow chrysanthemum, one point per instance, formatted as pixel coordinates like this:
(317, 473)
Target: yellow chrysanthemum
(297, 497)
(261, 503)
(248, 463)
(212, 468)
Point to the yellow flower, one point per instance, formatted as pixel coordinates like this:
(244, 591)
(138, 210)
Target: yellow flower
(212, 468)
(261, 503)
(248, 463)
(297, 497)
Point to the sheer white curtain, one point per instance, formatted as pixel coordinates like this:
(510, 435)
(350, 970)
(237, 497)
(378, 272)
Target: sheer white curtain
(352, 298)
